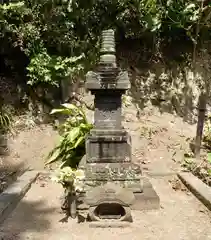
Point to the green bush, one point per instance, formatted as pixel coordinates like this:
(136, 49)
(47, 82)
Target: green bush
(5, 120)
(49, 31)
(73, 132)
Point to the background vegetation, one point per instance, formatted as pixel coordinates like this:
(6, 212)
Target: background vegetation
(45, 42)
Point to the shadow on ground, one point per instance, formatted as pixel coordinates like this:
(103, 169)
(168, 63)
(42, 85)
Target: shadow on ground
(9, 173)
(31, 219)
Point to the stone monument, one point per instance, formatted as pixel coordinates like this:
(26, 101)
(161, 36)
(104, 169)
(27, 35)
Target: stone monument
(114, 185)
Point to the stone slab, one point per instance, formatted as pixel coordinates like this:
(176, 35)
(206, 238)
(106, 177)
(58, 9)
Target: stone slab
(108, 151)
(197, 187)
(159, 173)
(15, 192)
(148, 199)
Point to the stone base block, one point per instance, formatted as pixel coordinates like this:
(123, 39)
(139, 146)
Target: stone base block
(116, 202)
(148, 199)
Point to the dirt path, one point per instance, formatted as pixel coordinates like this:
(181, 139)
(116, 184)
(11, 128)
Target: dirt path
(28, 150)
(37, 217)
(159, 142)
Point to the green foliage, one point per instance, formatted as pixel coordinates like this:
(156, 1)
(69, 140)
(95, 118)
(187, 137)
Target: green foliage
(73, 132)
(201, 170)
(207, 140)
(126, 100)
(209, 162)
(50, 32)
(5, 120)
(47, 69)
(207, 131)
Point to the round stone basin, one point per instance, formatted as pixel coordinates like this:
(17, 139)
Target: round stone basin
(112, 211)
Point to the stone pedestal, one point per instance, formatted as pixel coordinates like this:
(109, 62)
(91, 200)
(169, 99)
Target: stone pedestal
(114, 184)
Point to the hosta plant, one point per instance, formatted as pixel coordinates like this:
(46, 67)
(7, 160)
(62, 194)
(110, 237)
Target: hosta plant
(73, 132)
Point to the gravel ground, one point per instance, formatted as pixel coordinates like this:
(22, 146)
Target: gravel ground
(180, 217)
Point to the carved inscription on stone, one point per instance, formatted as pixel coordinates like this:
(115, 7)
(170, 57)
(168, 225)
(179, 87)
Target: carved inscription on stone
(111, 173)
(107, 111)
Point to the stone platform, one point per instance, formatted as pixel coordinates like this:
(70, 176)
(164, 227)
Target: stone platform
(131, 196)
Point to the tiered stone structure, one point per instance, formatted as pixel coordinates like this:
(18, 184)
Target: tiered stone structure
(114, 184)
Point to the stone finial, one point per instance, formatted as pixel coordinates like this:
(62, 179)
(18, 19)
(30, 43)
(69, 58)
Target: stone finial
(107, 51)
(108, 42)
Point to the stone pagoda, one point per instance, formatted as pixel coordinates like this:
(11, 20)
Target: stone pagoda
(114, 184)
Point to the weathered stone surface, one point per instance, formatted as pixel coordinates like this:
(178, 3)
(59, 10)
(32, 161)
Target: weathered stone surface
(109, 192)
(113, 183)
(147, 199)
(13, 194)
(198, 188)
(108, 152)
(112, 171)
(108, 110)
(115, 146)
(114, 211)
(93, 82)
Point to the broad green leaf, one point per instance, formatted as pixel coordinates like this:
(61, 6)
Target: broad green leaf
(70, 106)
(209, 157)
(86, 126)
(63, 164)
(54, 156)
(75, 108)
(73, 134)
(79, 141)
(62, 110)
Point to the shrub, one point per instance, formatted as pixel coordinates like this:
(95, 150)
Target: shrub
(73, 132)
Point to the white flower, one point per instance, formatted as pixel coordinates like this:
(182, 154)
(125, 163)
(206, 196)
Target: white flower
(68, 175)
(78, 185)
(79, 174)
